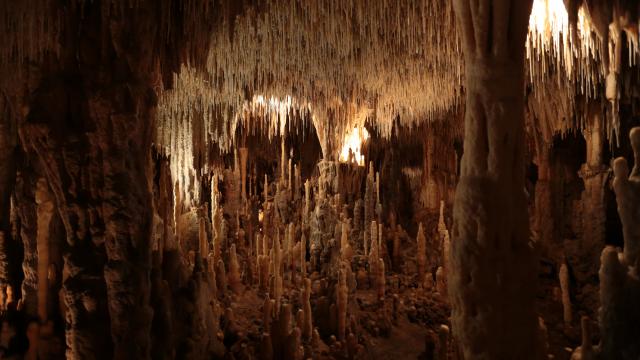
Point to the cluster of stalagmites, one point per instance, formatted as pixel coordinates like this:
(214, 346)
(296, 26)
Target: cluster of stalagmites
(320, 282)
(619, 315)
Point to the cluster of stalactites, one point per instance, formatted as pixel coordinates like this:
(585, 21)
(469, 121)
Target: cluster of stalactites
(192, 119)
(383, 60)
(580, 58)
(30, 29)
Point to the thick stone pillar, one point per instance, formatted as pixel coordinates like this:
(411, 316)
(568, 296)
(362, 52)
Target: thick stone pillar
(492, 284)
(91, 125)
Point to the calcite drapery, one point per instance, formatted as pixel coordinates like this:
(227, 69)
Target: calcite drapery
(493, 315)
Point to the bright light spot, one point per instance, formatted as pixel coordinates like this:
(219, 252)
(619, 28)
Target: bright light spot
(353, 141)
(549, 25)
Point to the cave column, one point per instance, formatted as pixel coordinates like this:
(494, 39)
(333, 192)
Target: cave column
(96, 155)
(430, 184)
(594, 174)
(45, 212)
(543, 216)
(244, 154)
(493, 314)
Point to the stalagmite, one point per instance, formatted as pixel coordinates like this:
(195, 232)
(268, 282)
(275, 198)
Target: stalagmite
(627, 189)
(263, 272)
(346, 252)
(421, 256)
(244, 153)
(563, 275)
(585, 351)
(544, 222)
(381, 280)
(45, 203)
(202, 237)
(594, 174)
(441, 282)
(446, 250)
(283, 162)
(296, 188)
(267, 313)
(490, 254)
(374, 252)
(342, 293)
(218, 236)
(235, 283)
(303, 256)
(307, 325)
(221, 278)
(443, 343)
(382, 243)
(441, 224)
(307, 198)
(369, 205)
(396, 248)
(266, 347)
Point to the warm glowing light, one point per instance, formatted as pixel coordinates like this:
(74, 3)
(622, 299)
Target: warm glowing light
(549, 24)
(353, 141)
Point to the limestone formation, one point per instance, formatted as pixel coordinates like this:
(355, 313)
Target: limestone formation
(627, 189)
(490, 251)
(237, 179)
(235, 282)
(45, 204)
(342, 293)
(421, 256)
